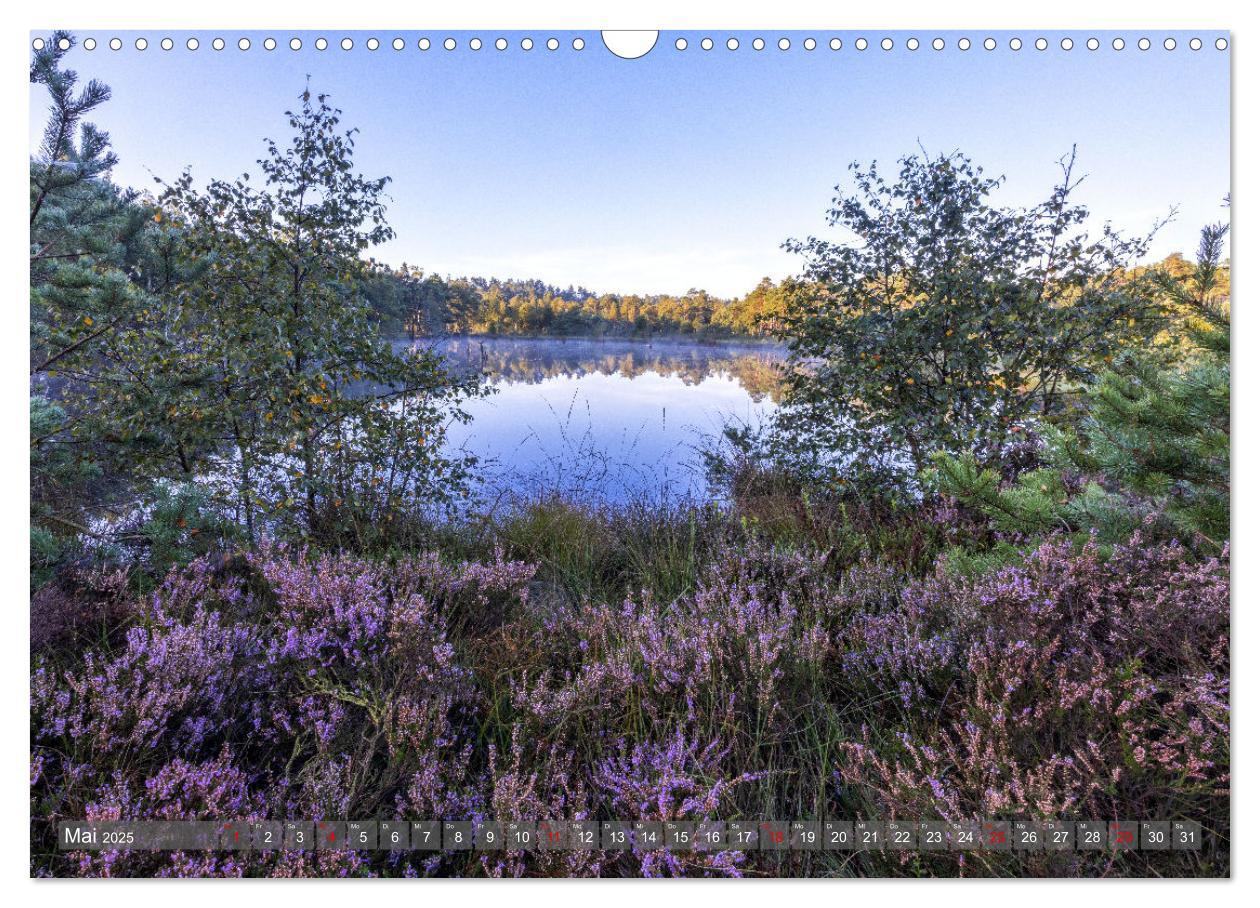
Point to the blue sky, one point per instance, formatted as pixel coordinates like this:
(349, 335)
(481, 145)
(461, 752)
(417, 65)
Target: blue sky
(684, 168)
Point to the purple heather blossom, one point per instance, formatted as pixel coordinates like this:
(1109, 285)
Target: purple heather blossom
(1072, 683)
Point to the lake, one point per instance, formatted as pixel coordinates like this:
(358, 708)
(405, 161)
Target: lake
(606, 420)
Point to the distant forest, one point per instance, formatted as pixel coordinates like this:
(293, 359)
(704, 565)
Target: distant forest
(406, 300)
(409, 301)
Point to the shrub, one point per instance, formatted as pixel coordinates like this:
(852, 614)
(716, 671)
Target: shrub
(1071, 685)
(1154, 439)
(947, 319)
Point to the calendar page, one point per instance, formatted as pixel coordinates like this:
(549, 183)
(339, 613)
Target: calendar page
(501, 452)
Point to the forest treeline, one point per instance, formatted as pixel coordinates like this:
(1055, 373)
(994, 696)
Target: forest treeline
(411, 301)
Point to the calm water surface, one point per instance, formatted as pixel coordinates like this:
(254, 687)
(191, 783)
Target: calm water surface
(606, 419)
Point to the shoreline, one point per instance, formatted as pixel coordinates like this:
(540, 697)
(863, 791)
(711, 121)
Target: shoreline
(676, 339)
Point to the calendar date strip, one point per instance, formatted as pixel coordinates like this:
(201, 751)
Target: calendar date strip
(631, 835)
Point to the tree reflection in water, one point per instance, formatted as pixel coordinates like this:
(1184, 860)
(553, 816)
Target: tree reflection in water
(606, 419)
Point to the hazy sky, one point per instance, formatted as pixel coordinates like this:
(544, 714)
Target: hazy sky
(684, 168)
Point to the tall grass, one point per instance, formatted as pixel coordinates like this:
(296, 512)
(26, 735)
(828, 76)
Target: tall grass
(594, 551)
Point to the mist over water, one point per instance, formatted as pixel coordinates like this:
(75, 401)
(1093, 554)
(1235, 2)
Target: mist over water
(606, 420)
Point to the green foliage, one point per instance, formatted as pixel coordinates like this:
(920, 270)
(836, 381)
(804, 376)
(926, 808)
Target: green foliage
(61, 478)
(217, 335)
(406, 299)
(1035, 502)
(277, 353)
(947, 320)
(1154, 440)
(82, 229)
(182, 523)
(83, 236)
(976, 562)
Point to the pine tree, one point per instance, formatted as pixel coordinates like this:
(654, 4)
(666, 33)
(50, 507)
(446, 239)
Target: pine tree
(81, 226)
(82, 231)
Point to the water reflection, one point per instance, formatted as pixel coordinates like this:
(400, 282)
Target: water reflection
(511, 360)
(606, 419)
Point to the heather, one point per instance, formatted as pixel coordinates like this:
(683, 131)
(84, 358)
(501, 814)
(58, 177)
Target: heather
(291, 683)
